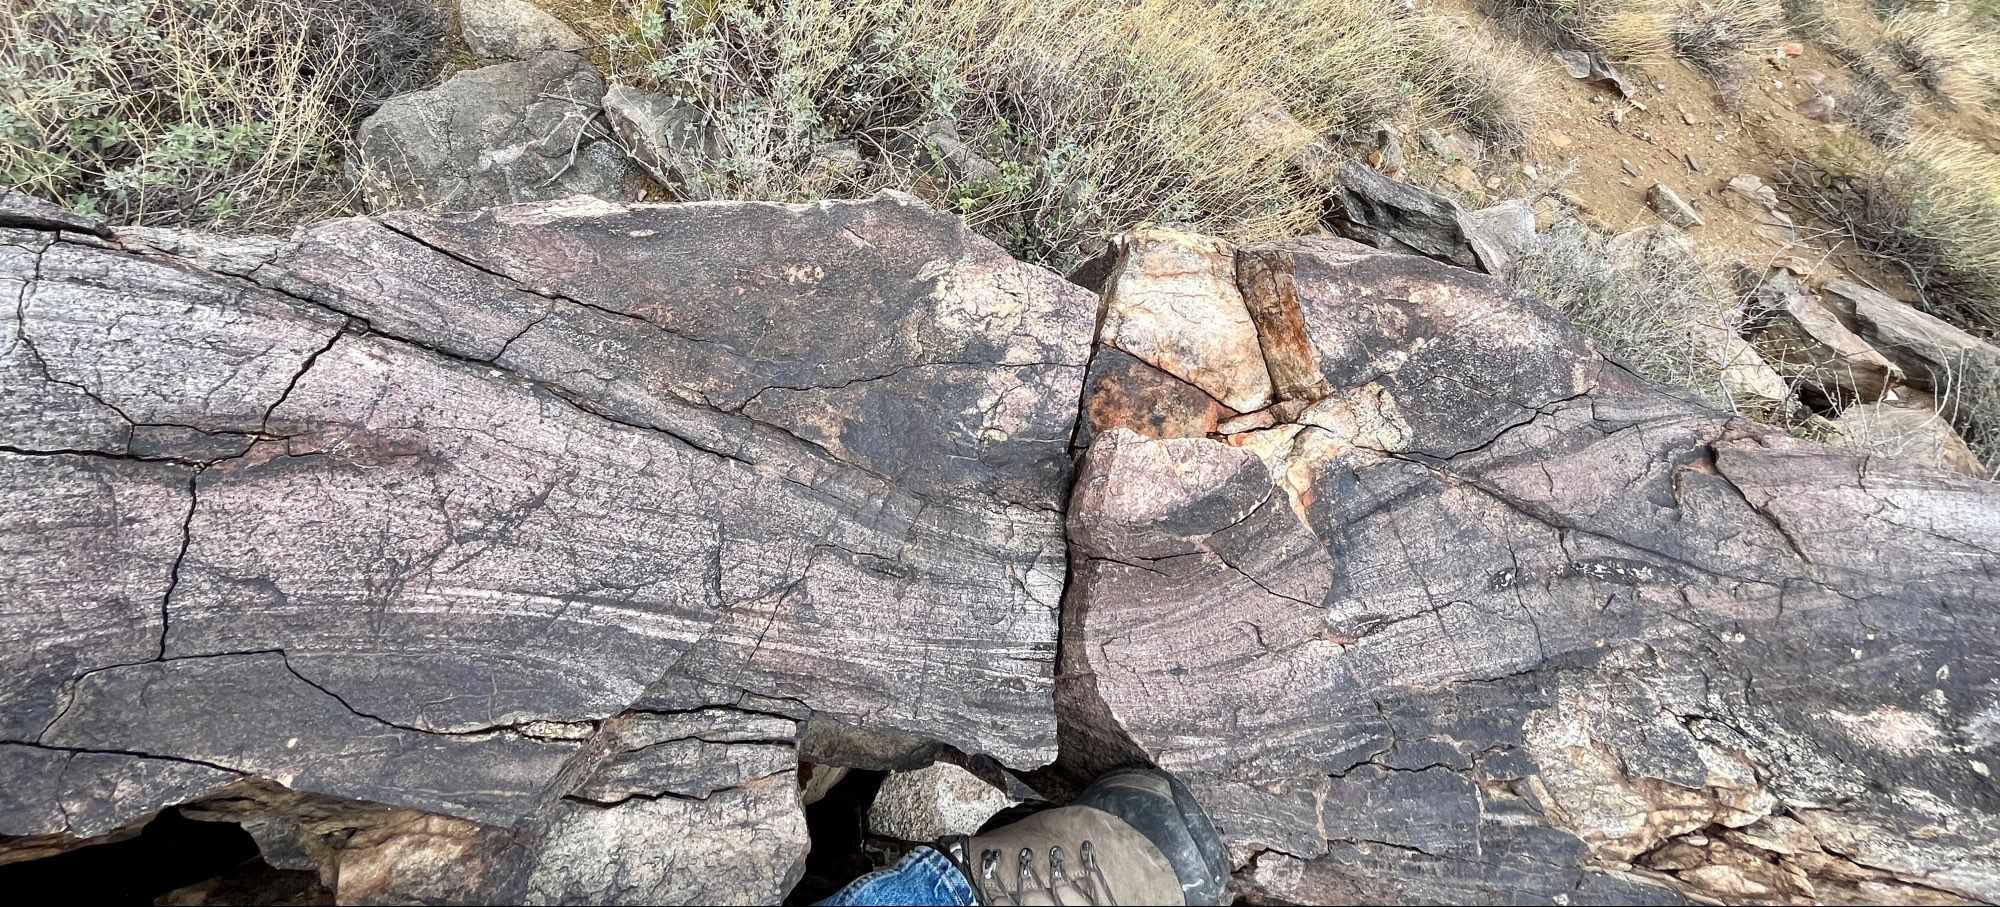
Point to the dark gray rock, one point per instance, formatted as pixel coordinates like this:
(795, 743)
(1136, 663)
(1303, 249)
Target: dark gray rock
(1493, 620)
(671, 138)
(19, 210)
(557, 518)
(1397, 217)
(510, 132)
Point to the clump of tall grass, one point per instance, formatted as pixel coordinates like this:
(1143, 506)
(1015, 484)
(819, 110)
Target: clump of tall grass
(1952, 52)
(1716, 35)
(199, 112)
(1626, 30)
(1930, 208)
(1655, 304)
(1095, 115)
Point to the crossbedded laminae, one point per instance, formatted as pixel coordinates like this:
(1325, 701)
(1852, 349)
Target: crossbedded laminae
(1481, 616)
(411, 510)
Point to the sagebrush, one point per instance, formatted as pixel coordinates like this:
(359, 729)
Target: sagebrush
(199, 112)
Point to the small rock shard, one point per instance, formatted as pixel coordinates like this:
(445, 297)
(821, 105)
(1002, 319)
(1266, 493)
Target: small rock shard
(1671, 207)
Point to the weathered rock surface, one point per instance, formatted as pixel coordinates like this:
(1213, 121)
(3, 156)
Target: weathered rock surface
(1494, 620)
(553, 519)
(932, 802)
(513, 29)
(1807, 340)
(671, 138)
(524, 555)
(512, 132)
(1929, 351)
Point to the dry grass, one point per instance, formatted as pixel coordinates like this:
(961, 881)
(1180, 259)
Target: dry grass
(1953, 186)
(1950, 51)
(1970, 398)
(1659, 306)
(1717, 35)
(173, 112)
(1625, 30)
(1930, 208)
(1096, 115)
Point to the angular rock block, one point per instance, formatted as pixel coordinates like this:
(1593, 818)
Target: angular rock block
(1493, 620)
(531, 130)
(475, 516)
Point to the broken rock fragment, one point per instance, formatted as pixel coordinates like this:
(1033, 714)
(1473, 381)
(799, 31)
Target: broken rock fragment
(512, 132)
(1172, 303)
(932, 802)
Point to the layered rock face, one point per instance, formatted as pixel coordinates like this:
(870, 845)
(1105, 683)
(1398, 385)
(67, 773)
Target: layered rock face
(1473, 614)
(519, 555)
(558, 517)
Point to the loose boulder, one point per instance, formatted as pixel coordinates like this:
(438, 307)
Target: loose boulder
(1803, 338)
(1930, 352)
(512, 132)
(513, 30)
(671, 138)
(1907, 430)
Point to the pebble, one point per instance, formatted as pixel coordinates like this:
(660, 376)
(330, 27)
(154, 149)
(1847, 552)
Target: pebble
(1629, 168)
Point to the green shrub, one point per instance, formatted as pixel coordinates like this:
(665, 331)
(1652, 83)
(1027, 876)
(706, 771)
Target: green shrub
(176, 112)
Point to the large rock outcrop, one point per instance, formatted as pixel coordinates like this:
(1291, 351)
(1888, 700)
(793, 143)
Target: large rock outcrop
(1480, 616)
(522, 555)
(491, 516)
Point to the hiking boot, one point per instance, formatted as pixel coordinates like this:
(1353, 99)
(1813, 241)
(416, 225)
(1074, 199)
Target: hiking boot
(1135, 836)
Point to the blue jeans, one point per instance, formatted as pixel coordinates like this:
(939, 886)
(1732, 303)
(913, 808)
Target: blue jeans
(923, 876)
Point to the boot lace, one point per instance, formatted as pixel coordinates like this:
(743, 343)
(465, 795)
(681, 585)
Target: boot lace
(1090, 884)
